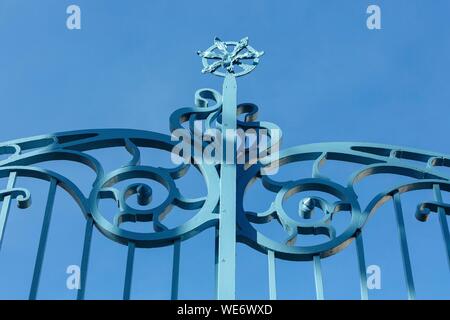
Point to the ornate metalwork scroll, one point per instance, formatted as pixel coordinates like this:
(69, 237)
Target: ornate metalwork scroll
(224, 206)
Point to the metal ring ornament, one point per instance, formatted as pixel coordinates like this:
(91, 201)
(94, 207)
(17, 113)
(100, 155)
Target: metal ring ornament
(288, 250)
(222, 57)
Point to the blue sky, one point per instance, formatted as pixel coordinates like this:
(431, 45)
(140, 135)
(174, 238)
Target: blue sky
(324, 77)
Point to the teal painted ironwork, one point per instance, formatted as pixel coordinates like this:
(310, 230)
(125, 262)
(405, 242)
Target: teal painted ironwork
(442, 220)
(318, 279)
(362, 267)
(404, 247)
(228, 56)
(227, 211)
(129, 271)
(223, 208)
(43, 240)
(176, 269)
(272, 275)
(85, 257)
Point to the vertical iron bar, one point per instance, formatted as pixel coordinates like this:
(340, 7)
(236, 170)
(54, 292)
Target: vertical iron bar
(43, 240)
(85, 257)
(176, 268)
(442, 221)
(5, 206)
(404, 247)
(216, 259)
(318, 278)
(362, 266)
(129, 271)
(227, 223)
(272, 275)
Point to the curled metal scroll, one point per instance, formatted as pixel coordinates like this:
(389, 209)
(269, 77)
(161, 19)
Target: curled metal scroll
(374, 158)
(23, 157)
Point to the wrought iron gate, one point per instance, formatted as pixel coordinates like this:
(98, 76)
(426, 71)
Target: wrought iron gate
(223, 208)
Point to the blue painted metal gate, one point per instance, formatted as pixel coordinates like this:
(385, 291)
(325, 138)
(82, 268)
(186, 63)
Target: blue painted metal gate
(223, 208)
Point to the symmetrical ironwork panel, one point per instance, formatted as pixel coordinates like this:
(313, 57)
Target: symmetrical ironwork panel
(224, 205)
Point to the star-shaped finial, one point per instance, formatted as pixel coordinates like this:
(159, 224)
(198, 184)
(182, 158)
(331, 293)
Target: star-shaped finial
(227, 59)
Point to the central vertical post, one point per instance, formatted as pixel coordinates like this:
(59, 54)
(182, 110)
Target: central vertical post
(226, 272)
(229, 59)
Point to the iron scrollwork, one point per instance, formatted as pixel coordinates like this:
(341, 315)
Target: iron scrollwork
(23, 157)
(72, 146)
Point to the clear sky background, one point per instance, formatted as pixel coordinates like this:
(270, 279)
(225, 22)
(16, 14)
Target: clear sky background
(324, 77)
